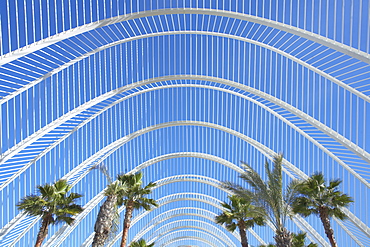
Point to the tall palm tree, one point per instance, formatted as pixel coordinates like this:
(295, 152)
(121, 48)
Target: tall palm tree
(108, 212)
(141, 243)
(325, 201)
(242, 214)
(134, 198)
(52, 205)
(270, 195)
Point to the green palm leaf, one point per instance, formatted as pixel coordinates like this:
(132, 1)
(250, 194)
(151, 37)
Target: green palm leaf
(316, 197)
(269, 195)
(52, 204)
(242, 214)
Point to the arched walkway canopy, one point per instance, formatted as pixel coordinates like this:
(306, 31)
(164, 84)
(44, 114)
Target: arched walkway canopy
(182, 87)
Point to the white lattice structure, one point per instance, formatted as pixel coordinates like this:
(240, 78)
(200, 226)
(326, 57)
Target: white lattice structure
(182, 91)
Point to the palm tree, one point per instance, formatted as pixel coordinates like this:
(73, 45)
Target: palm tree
(108, 212)
(270, 196)
(134, 198)
(141, 243)
(242, 214)
(52, 205)
(297, 241)
(325, 201)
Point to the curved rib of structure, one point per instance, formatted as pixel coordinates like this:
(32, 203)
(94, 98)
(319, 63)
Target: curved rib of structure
(75, 175)
(215, 240)
(351, 146)
(224, 35)
(189, 238)
(312, 36)
(65, 230)
(182, 91)
(163, 230)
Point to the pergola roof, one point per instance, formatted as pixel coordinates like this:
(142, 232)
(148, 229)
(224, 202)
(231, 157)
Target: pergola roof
(182, 91)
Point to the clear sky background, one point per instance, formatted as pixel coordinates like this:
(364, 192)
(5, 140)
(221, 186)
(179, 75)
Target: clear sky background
(232, 68)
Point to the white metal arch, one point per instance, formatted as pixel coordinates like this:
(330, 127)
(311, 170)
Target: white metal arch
(178, 224)
(88, 241)
(205, 234)
(224, 35)
(163, 201)
(282, 118)
(360, 55)
(178, 239)
(66, 230)
(259, 239)
(263, 149)
(228, 243)
(303, 227)
(302, 224)
(168, 199)
(333, 134)
(367, 56)
(81, 169)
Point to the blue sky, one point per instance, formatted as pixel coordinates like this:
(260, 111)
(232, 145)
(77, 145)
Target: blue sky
(270, 85)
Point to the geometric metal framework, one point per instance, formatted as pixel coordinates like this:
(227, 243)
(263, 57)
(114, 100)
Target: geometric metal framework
(183, 91)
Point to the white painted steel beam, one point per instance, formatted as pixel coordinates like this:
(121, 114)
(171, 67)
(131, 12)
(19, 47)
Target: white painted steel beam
(330, 132)
(65, 230)
(263, 149)
(355, 53)
(167, 200)
(224, 35)
(178, 225)
(214, 240)
(333, 156)
(89, 240)
(11, 224)
(178, 239)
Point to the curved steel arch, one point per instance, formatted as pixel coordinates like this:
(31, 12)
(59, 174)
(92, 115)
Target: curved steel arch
(337, 153)
(333, 156)
(259, 239)
(192, 230)
(158, 232)
(333, 134)
(360, 55)
(299, 222)
(88, 241)
(188, 238)
(65, 230)
(143, 214)
(224, 35)
(191, 227)
(263, 149)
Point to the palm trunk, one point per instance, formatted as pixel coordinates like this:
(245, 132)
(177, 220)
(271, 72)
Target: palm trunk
(243, 234)
(104, 221)
(43, 232)
(283, 237)
(326, 222)
(127, 223)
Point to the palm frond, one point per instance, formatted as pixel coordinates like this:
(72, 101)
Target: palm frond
(32, 205)
(240, 209)
(141, 243)
(64, 218)
(61, 187)
(231, 227)
(315, 196)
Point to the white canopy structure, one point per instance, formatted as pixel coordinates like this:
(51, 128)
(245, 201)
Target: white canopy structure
(182, 90)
